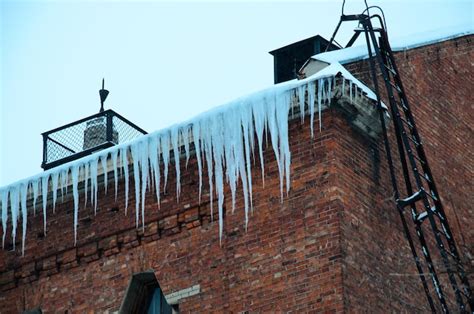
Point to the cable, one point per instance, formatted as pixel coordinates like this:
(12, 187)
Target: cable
(342, 10)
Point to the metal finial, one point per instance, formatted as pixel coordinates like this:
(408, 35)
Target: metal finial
(103, 95)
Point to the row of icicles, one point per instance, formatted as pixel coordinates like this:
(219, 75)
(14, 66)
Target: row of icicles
(226, 138)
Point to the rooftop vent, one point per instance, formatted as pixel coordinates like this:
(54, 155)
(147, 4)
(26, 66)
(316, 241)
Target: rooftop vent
(289, 59)
(86, 136)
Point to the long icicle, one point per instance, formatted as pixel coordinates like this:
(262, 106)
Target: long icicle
(136, 177)
(4, 195)
(14, 200)
(44, 189)
(197, 148)
(153, 147)
(24, 215)
(144, 167)
(54, 185)
(124, 157)
(176, 155)
(114, 156)
(75, 193)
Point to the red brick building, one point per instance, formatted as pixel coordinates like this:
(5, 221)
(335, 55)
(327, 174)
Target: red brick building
(333, 243)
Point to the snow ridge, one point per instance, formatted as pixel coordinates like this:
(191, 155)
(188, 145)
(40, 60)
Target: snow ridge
(225, 139)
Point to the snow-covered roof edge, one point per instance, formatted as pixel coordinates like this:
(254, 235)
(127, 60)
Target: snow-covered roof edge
(224, 136)
(356, 53)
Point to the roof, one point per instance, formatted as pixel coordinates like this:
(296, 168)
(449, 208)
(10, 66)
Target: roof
(356, 53)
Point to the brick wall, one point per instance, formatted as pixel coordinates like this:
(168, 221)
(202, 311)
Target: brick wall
(335, 243)
(288, 259)
(378, 266)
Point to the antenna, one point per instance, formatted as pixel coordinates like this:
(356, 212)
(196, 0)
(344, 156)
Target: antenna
(103, 95)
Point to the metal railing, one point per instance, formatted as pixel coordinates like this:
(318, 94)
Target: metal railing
(86, 136)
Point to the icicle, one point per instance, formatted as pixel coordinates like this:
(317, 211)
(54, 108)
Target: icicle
(246, 121)
(240, 164)
(54, 182)
(86, 182)
(320, 89)
(207, 147)
(273, 128)
(329, 91)
(4, 196)
(197, 148)
(165, 151)
(149, 182)
(251, 129)
(75, 194)
(63, 181)
(301, 99)
(185, 137)
(343, 86)
(217, 150)
(123, 155)
(320, 96)
(44, 189)
(155, 164)
(350, 91)
(323, 91)
(176, 155)
(113, 156)
(229, 151)
(144, 165)
(35, 187)
(283, 103)
(94, 185)
(103, 162)
(311, 96)
(260, 122)
(136, 176)
(14, 199)
(292, 110)
(24, 215)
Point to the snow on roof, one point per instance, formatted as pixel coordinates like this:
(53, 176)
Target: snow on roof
(355, 53)
(222, 136)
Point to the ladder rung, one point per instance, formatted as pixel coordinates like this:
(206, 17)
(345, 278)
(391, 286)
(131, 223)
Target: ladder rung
(414, 141)
(444, 234)
(425, 176)
(405, 108)
(464, 293)
(397, 88)
(411, 199)
(407, 123)
(421, 162)
(390, 69)
(452, 255)
(433, 197)
(422, 216)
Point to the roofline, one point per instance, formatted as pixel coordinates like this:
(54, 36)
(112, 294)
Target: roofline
(395, 48)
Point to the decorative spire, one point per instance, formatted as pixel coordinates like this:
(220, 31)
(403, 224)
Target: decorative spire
(103, 95)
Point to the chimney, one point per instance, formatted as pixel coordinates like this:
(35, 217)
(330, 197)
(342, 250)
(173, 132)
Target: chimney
(288, 60)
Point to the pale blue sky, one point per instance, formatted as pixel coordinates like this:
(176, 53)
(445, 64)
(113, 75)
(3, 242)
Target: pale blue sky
(164, 62)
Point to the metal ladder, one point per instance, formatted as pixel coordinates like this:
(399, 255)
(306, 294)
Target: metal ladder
(423, 199)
